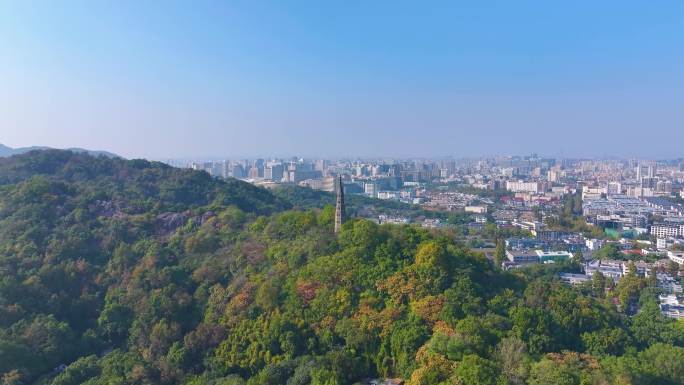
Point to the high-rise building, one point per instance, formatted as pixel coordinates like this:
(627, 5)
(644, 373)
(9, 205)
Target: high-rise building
(253, 173)
(640, 172)
(320, 165)
(647, 182)
(370, 189)
(227, 169)
(217, 169)
(664, 186)
(237, 171)
(614, 188)
(648, 170)
(554, 175)
(329, 183)
(274, 172)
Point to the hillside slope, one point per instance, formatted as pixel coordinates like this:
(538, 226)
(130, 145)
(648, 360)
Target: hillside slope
(137, 185)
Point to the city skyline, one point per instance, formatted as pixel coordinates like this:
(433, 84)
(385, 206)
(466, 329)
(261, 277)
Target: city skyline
(382, 79)
(8, 151)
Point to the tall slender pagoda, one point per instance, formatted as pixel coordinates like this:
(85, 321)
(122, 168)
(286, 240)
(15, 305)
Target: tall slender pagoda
(339, 206)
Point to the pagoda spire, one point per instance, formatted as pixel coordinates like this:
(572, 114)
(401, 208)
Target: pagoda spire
(339, 206)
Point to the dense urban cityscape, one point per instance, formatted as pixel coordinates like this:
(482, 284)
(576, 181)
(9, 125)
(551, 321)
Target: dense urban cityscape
(635, 208)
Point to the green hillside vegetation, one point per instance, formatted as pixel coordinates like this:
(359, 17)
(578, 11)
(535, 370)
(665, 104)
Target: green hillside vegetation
(132, 272)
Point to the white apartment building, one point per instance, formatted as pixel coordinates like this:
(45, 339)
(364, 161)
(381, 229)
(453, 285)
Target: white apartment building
(520, 186)
(590, 193)
(661, 243)
(667, 231)
(676, 256)
(476, 209)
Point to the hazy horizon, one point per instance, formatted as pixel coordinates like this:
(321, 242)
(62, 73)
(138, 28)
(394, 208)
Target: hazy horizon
(387, 79)
(352, 157)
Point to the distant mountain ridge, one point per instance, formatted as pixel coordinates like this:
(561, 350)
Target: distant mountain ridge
(9, 151)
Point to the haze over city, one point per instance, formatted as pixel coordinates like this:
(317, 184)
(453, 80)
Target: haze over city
(395, 79)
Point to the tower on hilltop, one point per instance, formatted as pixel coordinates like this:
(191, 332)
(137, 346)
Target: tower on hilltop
(339, 206)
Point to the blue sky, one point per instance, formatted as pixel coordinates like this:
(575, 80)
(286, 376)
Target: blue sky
(349, 78)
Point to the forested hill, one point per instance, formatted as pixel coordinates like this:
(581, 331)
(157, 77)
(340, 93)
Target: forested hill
(133, 186)
(130, 272)
(8, 151)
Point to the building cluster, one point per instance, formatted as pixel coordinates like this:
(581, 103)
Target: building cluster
(267, 171)
(629, 194)
(635, 205)
(668, 283)
(397, 180)
(453, 201)
(619, 212)
(621, 197)
(517, 258)
(616, 269)
(636, 209)
(386, 178)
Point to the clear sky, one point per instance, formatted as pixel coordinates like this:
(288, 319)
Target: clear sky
(336, 78)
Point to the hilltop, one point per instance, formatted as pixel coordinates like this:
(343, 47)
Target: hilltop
(9, 151)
